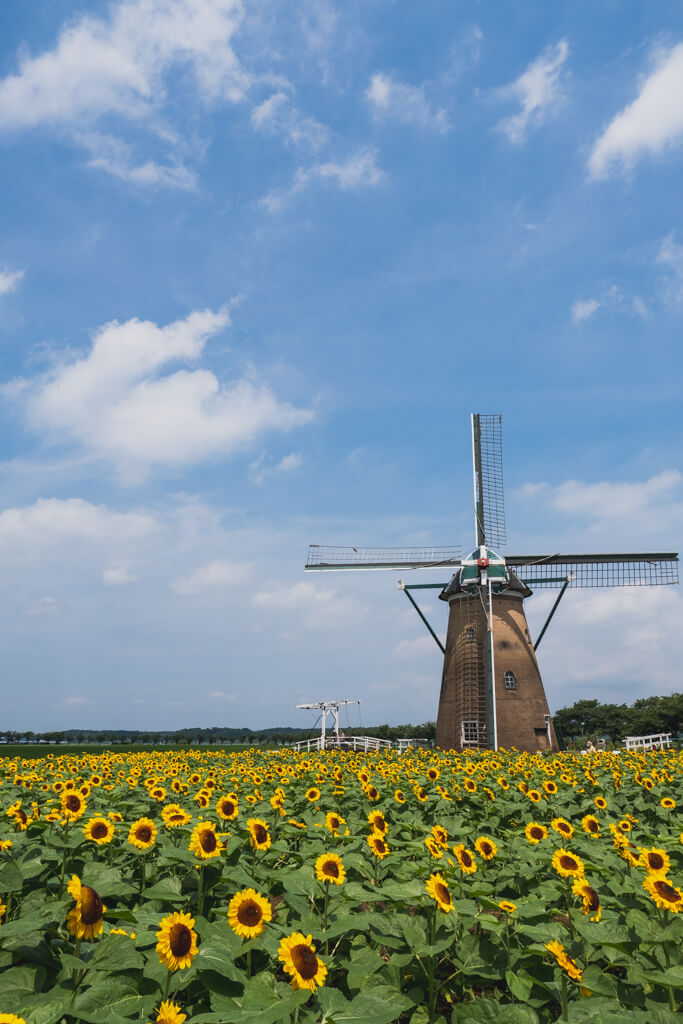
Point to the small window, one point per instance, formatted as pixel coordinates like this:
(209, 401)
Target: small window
(510, 681)
(469, 634)
(470, 732)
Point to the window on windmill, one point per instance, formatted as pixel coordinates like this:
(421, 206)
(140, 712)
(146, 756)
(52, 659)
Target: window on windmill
(510, 681)
(469, 634)
(470, 731)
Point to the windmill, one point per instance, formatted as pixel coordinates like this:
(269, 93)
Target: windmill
(491, 689)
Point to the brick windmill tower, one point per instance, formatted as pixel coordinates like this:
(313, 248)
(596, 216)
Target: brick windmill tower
(491, 689)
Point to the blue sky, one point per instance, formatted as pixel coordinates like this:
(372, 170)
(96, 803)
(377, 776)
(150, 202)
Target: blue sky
(258, 263)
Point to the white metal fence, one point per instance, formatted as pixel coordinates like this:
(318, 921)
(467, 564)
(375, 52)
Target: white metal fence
(658, 740)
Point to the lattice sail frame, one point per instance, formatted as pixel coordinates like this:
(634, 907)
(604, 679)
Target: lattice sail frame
(649, 569)
(330, 557)
(489, 498)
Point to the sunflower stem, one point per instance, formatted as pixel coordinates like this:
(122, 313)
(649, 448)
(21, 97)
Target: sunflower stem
(249, 963)
(326, 905)
(564, 999)
(66, 850)
(143, 872)
(200, 894)
(166, 986)
(432, 929)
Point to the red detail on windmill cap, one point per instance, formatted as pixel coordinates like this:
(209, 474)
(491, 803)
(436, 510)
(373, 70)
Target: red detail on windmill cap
(482, 562)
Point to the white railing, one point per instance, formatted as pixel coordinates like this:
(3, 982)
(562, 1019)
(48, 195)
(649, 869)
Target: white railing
(656, 740)
(355, 743)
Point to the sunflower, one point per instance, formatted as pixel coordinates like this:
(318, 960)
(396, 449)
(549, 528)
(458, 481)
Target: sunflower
(399, 796)
(313, 794)
(333, 822)
(259, 834)
(564, 961)
(485, 847)
(657, 862)
(600, 803)
(591, 901)
(421, 794)
(534, 796)
(73, 805)
(437, 887)
(376, 843)
(468, 864)
(84, 921)
(549, 786)
(329, 868)
(508, 906)
(143, 833)
(625, 825)
(298, 956)
(567, 864)
(591, 825)
(173, 815)
(169, 1013)
(433, 774)
(470, 785)
(204, 841)
(664, 893)
(434, 848)
(99, 830)
(667, 803)
(177, 945)
(159, 793)
(535, 832)
(248, 912)
(11, 1018)
(372, 793)
(378, 822)
(441, 835)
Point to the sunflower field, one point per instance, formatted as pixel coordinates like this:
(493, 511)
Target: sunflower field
(265, 886)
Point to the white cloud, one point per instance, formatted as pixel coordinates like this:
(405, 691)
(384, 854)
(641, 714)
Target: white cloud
(117, 64)
(222, 695)
(618, 512)
(215, 574)
(651, 124)
(114, 156)
(392, 99)
(359, 171)
(602, 640)
(671, 256)
(120, 65)
(116, 402)
(539, 90)
(117, 576)
(45, 606)
(299, 595)
(261, 468)
(611, 300)
(583, 309)
(279, 116)
(314, 606)
(9, 279)
(418, 647)
(53, 521)
(290, 462)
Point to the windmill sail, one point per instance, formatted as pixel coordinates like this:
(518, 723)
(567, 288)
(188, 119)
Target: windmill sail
(487, 459)
(325, 557)
(645, 569)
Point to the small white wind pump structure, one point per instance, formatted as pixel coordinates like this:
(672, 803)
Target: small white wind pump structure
(328, 707)
(334, 738)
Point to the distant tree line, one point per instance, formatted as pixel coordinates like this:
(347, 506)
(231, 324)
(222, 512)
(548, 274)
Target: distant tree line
(589, 719)
(195, 737)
